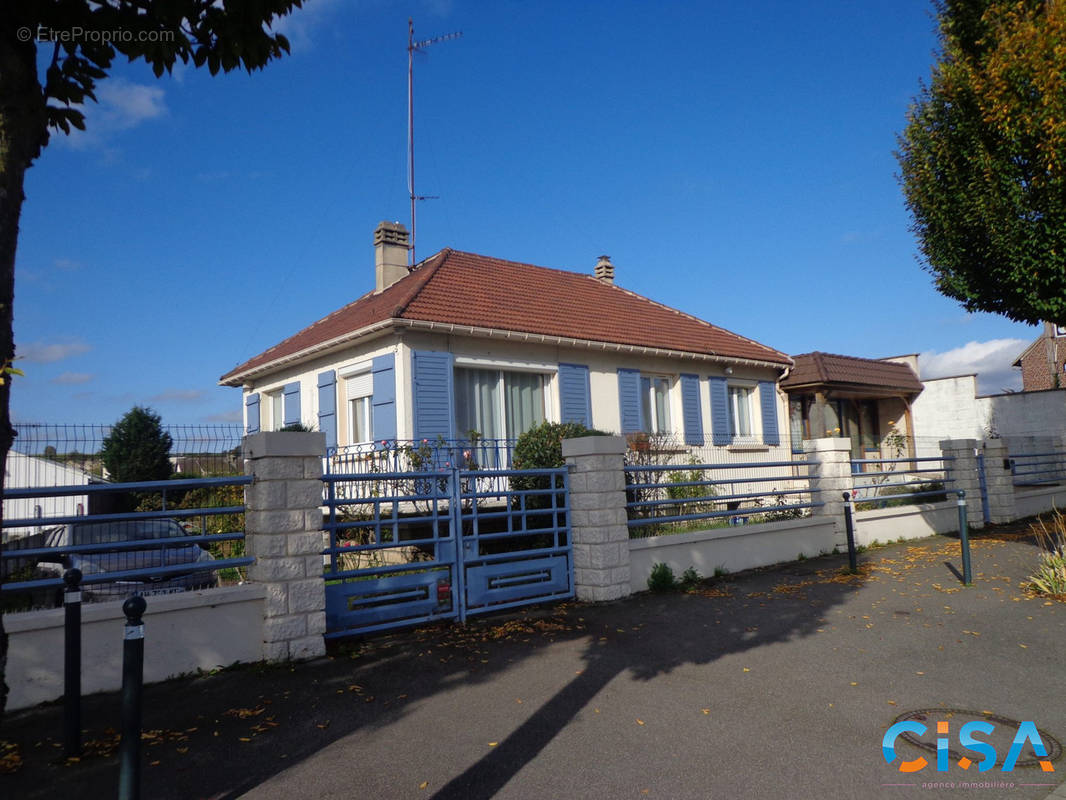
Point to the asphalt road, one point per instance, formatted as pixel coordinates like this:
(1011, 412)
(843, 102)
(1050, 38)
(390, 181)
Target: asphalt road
(779, 683)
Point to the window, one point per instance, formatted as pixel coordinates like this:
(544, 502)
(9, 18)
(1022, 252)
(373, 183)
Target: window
(359, 391)
(655, 404)
(496, 403)
(740, 416)
(276, 401)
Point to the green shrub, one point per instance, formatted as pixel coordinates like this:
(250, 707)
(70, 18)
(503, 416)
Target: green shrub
(542, 448)
(690, 579)
(662, 578)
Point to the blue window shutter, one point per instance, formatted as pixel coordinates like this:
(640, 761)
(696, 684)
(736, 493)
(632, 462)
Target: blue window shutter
(768, 401)
(629, 400)
(327, 406)
(574, 394)
(251, 406)
(719, 412)
(433, 395)
(691, 416)
(384, 401)
(291, 403)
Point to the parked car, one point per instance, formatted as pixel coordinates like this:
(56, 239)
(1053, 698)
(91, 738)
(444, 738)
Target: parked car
(199, 575)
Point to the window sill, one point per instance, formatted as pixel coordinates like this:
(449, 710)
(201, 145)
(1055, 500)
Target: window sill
(748, 447)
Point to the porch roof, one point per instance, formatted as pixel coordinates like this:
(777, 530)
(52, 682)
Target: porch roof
(490, 296)
(850, 376)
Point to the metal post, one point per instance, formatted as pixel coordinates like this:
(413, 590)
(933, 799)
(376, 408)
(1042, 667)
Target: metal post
(964, 539)
(455, 529)
(984, 487)
(849, 528)
(72, 663)
(129, 776)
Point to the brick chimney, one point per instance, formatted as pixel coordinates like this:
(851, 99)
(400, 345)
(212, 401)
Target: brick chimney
(390, 254)
(604, 270)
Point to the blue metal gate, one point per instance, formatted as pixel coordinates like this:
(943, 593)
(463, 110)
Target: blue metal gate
(413, 547)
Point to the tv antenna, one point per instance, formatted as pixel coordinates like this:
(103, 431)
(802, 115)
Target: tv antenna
(412, 48)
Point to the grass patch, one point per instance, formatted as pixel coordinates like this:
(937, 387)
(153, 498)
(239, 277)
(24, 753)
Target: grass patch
(1049, 579)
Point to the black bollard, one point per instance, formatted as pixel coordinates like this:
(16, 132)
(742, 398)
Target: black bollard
(849, 531)
(129, 775)
(964, 540)
(72, 663)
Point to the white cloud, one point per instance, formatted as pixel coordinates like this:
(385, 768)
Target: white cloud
(990, 361)
(120, 105)
(67, 264)
(72, 378)
(50, 352)
(177, 396)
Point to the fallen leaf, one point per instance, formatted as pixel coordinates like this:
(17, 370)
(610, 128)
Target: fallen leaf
(746, 669)
(854, 683)
(705, 710)
(640, 722)
(423, 784)
(891, 702)
(493, 744)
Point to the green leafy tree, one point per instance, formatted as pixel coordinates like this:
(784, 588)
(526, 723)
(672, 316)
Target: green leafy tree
(221, 36)
(137, 449)
(983, 158)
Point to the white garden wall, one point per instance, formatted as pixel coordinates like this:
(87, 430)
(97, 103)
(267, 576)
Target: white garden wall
(906, 522)
(732, 549)
(183, 633)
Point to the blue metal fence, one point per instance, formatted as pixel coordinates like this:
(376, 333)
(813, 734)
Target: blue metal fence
(121, 552)
(1038, 469)
(672, 498)
(411, 547)
(904, 480)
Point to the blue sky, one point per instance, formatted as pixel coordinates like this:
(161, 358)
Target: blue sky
(734, 160)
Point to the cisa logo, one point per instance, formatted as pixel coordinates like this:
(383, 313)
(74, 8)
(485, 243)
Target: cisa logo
(982, 738)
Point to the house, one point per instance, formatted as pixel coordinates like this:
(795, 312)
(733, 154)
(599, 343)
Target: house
(464, 342)
(23, 471)
(1043, 363)
(865, 400)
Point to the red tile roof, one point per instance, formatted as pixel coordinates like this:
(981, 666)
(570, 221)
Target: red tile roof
(457, 288)
(824, 368)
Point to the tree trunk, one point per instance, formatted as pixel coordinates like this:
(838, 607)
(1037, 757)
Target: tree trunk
(23, 132)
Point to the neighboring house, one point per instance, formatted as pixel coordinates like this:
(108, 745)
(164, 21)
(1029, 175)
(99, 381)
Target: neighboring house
(861, 399)
(464, 342)
(1043, 363)
(30, 472)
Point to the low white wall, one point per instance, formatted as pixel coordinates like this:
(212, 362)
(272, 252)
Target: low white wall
(1031, 501)
(183, 633)
(906, 522)
(733, 549)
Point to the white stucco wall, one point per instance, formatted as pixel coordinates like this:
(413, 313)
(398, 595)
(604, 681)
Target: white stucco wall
(1024, 414)
(603, 380)
(947, 408)
(183, 633)
(906, 522)
(732, 549)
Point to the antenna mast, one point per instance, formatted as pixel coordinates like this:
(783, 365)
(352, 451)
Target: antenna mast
(412, 48)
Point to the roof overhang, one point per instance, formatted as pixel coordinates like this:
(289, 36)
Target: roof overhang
(852, 390)
(497, 334)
